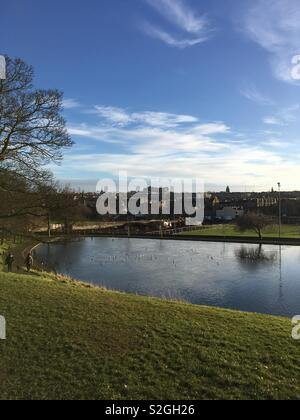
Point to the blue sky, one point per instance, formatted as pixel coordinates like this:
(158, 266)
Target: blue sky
(176, 88)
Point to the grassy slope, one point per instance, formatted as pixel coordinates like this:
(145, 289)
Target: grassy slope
(288, 231)
(66, 340)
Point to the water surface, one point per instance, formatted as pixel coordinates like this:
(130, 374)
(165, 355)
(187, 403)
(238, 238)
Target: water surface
(245, 277)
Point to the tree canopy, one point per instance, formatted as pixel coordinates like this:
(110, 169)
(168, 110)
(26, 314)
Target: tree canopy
(32, 129)
(33, 134)
(253, 221)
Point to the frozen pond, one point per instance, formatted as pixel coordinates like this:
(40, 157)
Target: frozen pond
(246, 277)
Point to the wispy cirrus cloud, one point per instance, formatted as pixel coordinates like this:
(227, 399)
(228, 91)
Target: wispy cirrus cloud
(275, 26)
(252, 93)
(114, 115)
(284, 116)
(290, 114)
(188, 27)
(172, 40)
(122, 117)
(70, 103)
(153, 133)
(179, 13)
(271, 120)
(249, 167)
(146, 143)
(157, 141)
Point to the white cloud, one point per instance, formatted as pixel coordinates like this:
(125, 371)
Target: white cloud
(114, 115)
(162, 119)
(157, 141)
(253, 94)
(171, 40)
(275, 26)
(211, 129)
(180, 14)
(290, 114)
(189, 28)
(154, 133)
(271, 120)
(275, 143)
(171, 145)
(272, 132)
(284, 116)
(246, 166)
(70, 103)
(105, 135)
(121, 117)
(79, 131)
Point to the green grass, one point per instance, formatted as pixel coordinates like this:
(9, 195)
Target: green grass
(288, 231)
(69, 341)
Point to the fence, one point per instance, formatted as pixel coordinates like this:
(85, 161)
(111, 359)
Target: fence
(175, 231)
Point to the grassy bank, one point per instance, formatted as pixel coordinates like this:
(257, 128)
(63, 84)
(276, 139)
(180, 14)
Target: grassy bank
(230, 230)
(67, 340)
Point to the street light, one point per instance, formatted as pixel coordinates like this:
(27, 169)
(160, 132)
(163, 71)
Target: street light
(279, 192)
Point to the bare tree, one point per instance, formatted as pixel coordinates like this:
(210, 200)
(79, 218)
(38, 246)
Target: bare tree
(60, 204)
(32, 129)
(20, 204)
(32, 134)
(253, 221)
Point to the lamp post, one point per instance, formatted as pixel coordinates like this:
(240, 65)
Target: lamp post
(280, 249)
(279, 206)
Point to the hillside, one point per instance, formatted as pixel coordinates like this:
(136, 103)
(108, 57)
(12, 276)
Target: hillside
(69, 341)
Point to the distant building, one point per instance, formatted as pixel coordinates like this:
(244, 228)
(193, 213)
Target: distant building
(229, 213)
(267, 201)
